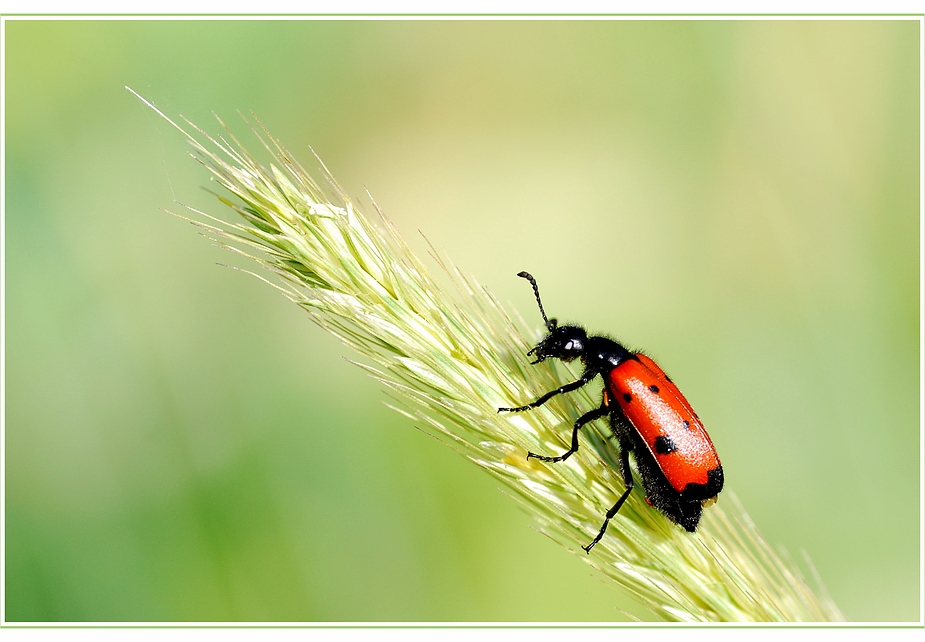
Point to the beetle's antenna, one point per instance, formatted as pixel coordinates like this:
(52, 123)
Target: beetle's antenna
(550, 325)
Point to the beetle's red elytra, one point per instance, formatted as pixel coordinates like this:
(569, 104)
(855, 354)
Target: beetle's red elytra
(680, 470)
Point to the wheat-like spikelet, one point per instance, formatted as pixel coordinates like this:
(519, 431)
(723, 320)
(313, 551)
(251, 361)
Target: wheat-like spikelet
(452, 356)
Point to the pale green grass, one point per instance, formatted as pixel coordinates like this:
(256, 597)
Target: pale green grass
(451, 356)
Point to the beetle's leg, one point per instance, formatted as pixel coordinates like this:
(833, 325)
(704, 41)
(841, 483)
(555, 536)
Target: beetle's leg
(625, 447)
(575, 385)
(597, 413)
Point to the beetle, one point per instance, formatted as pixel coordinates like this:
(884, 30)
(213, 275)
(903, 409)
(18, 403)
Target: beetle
(680, 470)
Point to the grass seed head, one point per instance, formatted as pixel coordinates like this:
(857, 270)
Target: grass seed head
(450, 356)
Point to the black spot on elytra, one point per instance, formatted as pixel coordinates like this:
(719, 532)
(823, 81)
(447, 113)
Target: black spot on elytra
(687, 424)
(654, 388)
(627, 397)
(664, 445)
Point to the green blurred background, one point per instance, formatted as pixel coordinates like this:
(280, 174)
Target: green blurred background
(741, 198)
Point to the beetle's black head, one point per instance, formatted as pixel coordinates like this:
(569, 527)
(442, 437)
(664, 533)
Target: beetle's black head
(566, 343)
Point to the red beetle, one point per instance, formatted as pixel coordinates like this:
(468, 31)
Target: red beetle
(681, 472)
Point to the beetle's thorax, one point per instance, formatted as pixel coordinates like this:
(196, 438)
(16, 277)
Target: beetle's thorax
(603, 355)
